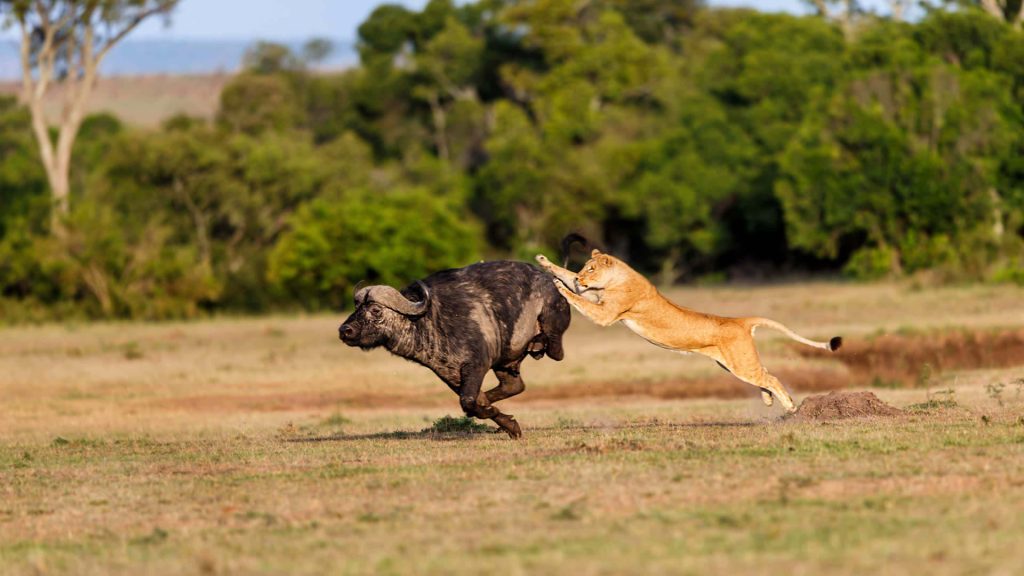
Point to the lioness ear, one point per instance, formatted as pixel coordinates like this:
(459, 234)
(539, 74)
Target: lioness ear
(595, 252)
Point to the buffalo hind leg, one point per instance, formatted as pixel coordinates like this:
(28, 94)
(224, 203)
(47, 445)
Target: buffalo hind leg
(476, 404)
(510, 383)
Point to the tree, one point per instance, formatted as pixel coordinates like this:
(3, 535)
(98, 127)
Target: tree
(253, 103)
(658, 21)
(899, 168)
(844, 13)
(450, 65)
(385, 32)
(270, 58)
(22, 182)
(1011, 11)
(316, 51)
(66, 41)
(898, 9)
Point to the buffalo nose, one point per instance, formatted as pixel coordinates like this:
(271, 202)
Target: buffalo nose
(346, 332)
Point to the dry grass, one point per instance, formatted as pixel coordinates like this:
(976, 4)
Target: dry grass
(264, 446)
(143, 100)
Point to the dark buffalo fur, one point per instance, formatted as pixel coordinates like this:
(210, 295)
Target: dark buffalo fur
(486, 316)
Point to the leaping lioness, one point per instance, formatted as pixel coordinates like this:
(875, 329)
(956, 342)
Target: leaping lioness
(607, 290)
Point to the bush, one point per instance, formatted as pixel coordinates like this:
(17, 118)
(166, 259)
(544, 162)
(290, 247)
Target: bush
(103, 266)
(1010, 273)
(254, 104)
(388, 238)
(871, 263)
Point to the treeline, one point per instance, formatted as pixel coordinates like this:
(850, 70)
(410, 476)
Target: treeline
(696, 143)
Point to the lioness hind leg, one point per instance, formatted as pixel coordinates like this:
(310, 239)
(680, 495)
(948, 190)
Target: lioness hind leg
(772, 384)
(766, 396)
(770, 387)
(742, 360)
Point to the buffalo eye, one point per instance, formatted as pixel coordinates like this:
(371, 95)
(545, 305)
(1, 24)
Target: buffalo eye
(375, 312)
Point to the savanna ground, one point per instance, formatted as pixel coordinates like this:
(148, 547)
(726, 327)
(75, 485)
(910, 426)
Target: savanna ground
(142, 100)
(265, 446)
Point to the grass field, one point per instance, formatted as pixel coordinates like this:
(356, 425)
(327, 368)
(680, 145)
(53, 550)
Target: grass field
(265, 446)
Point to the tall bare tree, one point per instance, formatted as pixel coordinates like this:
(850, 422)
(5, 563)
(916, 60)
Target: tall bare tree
(1011, 11)
(65, 41)
(898, 8)
(842, 11)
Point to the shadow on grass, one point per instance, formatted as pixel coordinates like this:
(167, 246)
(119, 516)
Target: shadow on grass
(446, 436)
(396, 435)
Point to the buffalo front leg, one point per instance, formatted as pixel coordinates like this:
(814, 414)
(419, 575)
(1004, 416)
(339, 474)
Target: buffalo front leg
(476, 404)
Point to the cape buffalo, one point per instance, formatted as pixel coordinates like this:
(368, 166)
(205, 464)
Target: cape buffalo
(461, 323)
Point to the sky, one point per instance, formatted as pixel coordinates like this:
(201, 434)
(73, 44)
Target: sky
(301, 19)
(265, 19)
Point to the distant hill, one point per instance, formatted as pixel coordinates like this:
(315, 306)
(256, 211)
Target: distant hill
(149, 57)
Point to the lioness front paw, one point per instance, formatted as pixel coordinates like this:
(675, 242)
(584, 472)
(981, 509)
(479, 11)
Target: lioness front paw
(542, 260)
(561, 287)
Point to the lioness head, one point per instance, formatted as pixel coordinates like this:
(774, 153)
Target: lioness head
(601, 271)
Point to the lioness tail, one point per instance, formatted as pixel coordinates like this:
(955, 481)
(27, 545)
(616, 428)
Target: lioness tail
(831, 345)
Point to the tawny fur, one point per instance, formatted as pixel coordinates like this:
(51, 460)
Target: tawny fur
(607, 290)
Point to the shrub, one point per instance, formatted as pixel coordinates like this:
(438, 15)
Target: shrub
(388, 238)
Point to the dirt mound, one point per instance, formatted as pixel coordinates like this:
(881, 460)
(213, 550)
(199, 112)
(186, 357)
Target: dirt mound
(840, 405)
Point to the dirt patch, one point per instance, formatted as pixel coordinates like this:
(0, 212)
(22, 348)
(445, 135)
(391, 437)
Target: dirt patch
(910, 359)
(841, 405)
(724, 386)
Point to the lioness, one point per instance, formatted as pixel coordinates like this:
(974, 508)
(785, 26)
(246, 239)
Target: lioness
(607, 290)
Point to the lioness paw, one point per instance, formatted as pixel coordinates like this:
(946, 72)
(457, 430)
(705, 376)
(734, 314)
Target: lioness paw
(542, 260)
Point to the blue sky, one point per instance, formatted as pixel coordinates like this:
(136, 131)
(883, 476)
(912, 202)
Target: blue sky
(266, 19)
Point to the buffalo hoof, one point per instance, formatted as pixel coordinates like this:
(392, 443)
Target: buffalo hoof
(509, 425)
(536, 347)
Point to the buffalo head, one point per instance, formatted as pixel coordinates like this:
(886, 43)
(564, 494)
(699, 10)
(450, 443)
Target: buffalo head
(382, 314)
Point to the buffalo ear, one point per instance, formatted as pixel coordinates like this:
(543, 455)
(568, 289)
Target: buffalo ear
(595, 252)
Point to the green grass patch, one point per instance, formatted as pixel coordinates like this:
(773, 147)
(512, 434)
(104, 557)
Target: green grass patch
(933, 405)
(460, 425)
